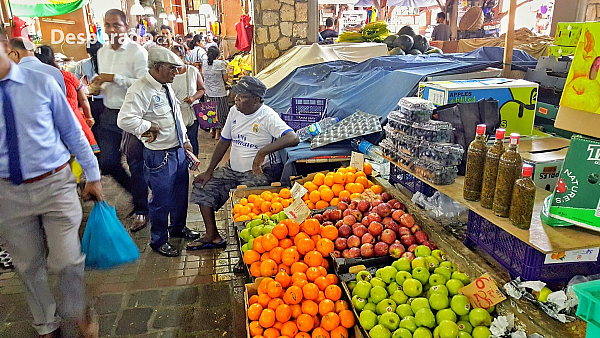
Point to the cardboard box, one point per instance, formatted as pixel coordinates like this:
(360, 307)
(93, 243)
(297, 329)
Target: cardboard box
(576, 198)
(546, 167)
(559, 51)
(568, 33)
(545, 110)
(543, 144)
(516, 98)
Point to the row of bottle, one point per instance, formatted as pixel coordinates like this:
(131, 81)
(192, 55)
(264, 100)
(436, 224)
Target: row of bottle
(493, 176)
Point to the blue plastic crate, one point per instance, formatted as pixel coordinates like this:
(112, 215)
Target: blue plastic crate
(409, 181)
(589, 306)
(304, 111)
(519, 258)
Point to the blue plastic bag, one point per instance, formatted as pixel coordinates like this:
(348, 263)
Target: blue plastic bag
(105, 242)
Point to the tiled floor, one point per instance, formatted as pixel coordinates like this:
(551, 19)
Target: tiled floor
(195, 295)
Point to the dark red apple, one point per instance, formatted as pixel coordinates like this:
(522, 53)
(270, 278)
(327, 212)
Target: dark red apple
(407, 220)
(404, 231)
(339, 223)
(384, 210)
(359, 230)
(407, 240)
(345, 200)
(349, 220)
(353, 241)
(385, 196)
(345, 231)
(397, 215)
(392, 202)
(412, 248)
(386, 220)
(367, 238)
(347, 212)
(342, 205)
(409, 255)
(381, 249)
(399, 206)
(393, 226)
(421, 237)
(396, 249)
(357, 214)
(353, 205)
(373, 217)
(327, 215)
(326, 223)
(366, 250)
(430, 245)
(365, 221)
(346, 253)
(375, 228)
(388, 236)
(354, 252)
(337, 254)
(363, 206)
(341, 243)
(336, 215)
(318, 217)
(415, 228)
(376, 203)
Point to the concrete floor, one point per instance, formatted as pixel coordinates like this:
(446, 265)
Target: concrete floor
(195, 295)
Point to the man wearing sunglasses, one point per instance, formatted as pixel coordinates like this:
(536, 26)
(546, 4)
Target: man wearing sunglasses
(151, 112)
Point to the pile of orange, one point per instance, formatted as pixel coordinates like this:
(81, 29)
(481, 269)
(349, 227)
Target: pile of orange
(326, 189)
(302, 305)
(267, 203)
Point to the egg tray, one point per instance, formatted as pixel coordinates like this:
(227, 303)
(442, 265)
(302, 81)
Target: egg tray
(355, 125)
(434, 173)
(416, 109)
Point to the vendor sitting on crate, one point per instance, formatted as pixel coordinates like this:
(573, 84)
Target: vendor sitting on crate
(256, 133)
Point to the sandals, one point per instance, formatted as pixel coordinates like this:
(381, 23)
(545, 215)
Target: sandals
(203, 244)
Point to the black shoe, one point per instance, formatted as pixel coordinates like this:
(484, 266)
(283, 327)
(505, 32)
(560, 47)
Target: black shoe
(186, 233)
(167, 250)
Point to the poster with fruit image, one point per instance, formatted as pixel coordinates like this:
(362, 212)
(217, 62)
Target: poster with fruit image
(582, 89)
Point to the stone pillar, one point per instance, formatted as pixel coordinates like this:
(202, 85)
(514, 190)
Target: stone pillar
(278, 25)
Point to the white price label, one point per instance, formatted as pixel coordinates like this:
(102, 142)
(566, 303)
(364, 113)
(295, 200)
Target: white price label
(357, 161)
(437, 97)
(573, 256)
(298, 211)
(298, 191)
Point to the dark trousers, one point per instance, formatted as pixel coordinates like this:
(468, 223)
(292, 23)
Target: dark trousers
(192, 133)
(97, 108)
(109, 141)
(167, 176)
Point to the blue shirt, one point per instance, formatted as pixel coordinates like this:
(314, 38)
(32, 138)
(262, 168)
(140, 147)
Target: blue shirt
(31, 62)
(46, 126)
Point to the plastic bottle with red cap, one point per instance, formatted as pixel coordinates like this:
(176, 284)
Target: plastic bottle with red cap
(509, 170)
(475, 163)
(523, 199)
(490, 170)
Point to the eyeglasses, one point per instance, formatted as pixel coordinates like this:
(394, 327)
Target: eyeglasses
(172, 68)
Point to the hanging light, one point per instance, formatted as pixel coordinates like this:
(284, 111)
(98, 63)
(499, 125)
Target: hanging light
(205, 9)
(137, 9)
(179, 19)
(148, 11)
(172, 17)
(162, 14)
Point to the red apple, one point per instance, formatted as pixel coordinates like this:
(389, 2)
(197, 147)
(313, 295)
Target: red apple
(359, 230)
(407, 240)
(345, 200)
(409, 255)
(388, 236)
(367, 238)
(404, 231)
(349, 220)
(393, 226)
(342, 205)
(363, 206)
(407, 220)
(346, 253)
(365, 221)
(339, 223)
(412, 248)
(421, 237)
(341, 243)
(354, 252)
(326, 223)
(376, 203)
(397, 215)
(415, 228)
(375, 228)
(384, 210)
(327, 215)
(337, 254)
(347, 212)
(318, 217)
(386, 220)
(430, 245)
(353, 241)
(366, 250)
(381, 249)
(392, 202)
(399, 206)
(353, 205)
(357, 214)
(336, 215)
(373, 217)
(396, 249)
(345, 231)
(385, 196)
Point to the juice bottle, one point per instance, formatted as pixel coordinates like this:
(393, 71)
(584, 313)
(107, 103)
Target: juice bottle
(475, 162)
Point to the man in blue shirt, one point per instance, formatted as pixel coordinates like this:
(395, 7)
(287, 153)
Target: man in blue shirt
(39, 205)
(21, 52)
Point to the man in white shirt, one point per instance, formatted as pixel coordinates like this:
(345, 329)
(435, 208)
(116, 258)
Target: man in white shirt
(151, 112)
(256, 133)
(121, 62)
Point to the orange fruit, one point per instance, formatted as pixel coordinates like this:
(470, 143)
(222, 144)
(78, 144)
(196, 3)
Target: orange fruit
(300, 283)
(325, 246)
(334, 202)
(305, 322)
(333, 292)
(330, 232)
(245, 210)
(310, 186)
(283, 313)
(339, 332)
(326, 306)
(331, 279)
(362, 180)
(357, 189)
(319, 179)
(251, 198)
(267, 318)
(289, 329)
(275, 254)
(266, 195)
(251, 256)
(344, 193)
(360, 173)
(255, 329)
(293, 227)
(329, 181)
(310, 291)
(280, 231)
(320, 332)
(321, 282)
(377, 189)
(255, 269)
(276, 200)
(284, 279)
(368, 168)
(265, 206)
(340, 306)
(253, 299)
(296, 310)
(283, 268)
(274, 303)
(264, 256)
(320, 297)
(297, 276)
(355, 196)
(310, 307)
(321, 205)
(330, 321)
(317, 321)
(312, 274)
(309, 204)
(322, 270)
(313, 258)
(244, 201)
(346, 318)
(299, 267)
(302, 335)
(306, 197)
(293, 295)
(336, 188)
(323, 187)
(315, 238)
(311, 226)
(269, 241)
(276, 207)
(349, 177)
(286, 203)
(274, 289)
(236, 208)
(263, 287)
(286, 243)
(271, 333)
(257, 202)
(305, 246)
(254, 311)
(258, 247)
(315, 196)
(285, 193)
(268, 268)
(289, 256)
(339, 178)
(300, 236)
(325, 264)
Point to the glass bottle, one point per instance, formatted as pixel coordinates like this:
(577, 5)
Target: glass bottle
(490, 171)
(509, 170)
(475, 162)
(523, 199)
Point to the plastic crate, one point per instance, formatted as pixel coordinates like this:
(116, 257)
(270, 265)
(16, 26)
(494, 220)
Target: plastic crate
(518, 257)
(304, 111)
(410, 182)
(589, 306)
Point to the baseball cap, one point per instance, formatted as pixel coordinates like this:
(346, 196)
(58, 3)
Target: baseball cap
(250, 85)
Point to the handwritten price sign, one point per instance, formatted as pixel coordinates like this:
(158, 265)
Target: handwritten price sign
(298, 211)
(298, 191)
(483, 292)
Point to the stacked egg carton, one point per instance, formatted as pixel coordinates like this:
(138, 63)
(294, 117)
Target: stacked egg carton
(420, 143)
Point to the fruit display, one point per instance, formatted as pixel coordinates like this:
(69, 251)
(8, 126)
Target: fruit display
(409, 42)
(266, 203)
(419, 298)
(261, 226)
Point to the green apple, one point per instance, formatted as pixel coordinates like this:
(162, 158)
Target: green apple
(437, 279)
(402, 264)
(409, 323)
(386, 305)
(363, 276)
(371, 307)
(421, 274)
(378, 294)
(401, 276)
(404, 310)
(425, 317)
(461, 276)
(444, 271)
(441, 289)
(433, 262)
(449, 264)
(419, 262)
(268, 229)
(464, 334)
(245, 247)
(438, 301)
(399, 297)
(445, 314)
(454, 285)
(448, 329)
(388, 274)
(436, 332)
(358, 302)
(245, 234)
(390, 320)
(419, 303)
(351, 285)
(463, 318)
(402, 333)
(251, 243)
(378, 273)
(460, 305)
(491, 309)
(465, 326)
(257, 231)
(412, 287)
(481, 332)
(367, 319)
(439, 255)
(362, 289)
(376, 281)
(392, 287)
(422, 251)
(542, 296)
(479, 317)
(422, 332)
(378, 331)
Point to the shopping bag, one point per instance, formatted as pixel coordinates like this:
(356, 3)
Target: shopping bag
(206, 113)
(105, 242)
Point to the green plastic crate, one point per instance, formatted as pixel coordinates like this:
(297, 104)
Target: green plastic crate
(589, 306)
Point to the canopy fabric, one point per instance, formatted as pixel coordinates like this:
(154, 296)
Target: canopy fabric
(314, 54)
(525, 40)
(43, 8)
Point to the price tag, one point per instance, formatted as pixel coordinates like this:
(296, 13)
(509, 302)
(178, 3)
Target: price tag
(298, 191)
(369, 195)
(298, 211)
(483, 292)
(357, 161)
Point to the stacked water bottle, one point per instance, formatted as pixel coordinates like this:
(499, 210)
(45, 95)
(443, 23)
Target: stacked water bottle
(420, 143)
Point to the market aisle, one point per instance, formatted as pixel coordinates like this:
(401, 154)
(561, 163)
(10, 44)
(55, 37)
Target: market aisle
(195, 295)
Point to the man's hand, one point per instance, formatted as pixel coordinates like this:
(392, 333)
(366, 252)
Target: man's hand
(189, 100)
(259, 159)
(90, 122)
(152, 133)
(92, 191)
(188, 146)
(101, 78)
(203, 178)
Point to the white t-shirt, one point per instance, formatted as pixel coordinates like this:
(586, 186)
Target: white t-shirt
(185, 85)
(213, 78)
(250, 133)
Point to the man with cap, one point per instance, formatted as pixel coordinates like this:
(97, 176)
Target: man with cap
(152, 113)
(256, 133)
